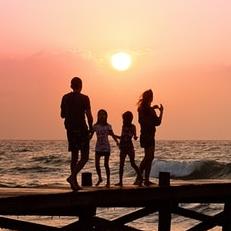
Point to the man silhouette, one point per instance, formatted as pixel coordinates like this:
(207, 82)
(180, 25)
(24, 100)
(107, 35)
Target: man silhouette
(74, 108)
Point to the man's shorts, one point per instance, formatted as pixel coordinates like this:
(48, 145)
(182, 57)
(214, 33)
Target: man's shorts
(78, 140)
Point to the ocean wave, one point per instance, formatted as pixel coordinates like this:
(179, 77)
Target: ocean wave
(51, 159)
(31, 169)
(22, 150)
(199, 169)
(12, 185)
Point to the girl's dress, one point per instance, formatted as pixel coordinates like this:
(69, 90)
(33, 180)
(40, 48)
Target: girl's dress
(102, 144)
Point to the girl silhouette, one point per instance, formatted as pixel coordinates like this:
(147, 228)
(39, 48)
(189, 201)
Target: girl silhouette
(126, 146)
(102, 149)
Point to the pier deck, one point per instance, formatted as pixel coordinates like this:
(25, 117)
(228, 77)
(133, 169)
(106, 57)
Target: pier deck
(165, 200)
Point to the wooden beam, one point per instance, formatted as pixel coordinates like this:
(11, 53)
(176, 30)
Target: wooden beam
(85, 218)
(67, 203)
(227, 216)
(8, 223)
(134, 215)
(209, 224)
(164, 179)
(190, 214)
(165, 209)
(100, 222)
(165, 199)
(85, 221)
(165, 217)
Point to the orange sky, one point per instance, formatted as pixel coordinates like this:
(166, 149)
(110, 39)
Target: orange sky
(181, 49)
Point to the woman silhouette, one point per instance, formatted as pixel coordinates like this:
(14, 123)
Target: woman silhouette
(148, 120)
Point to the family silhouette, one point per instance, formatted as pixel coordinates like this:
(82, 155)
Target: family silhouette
(76, 108)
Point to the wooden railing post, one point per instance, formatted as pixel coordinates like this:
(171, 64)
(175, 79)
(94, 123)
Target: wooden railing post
(227, 217)
(164, 179)
(165, 209)
(85, 218)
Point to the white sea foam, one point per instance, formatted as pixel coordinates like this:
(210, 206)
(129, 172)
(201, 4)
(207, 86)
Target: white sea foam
(175, 168)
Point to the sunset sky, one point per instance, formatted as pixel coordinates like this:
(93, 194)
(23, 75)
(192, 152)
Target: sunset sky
(181, 49)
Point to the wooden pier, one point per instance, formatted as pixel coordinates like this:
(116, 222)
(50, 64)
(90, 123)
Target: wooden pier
(164, 199)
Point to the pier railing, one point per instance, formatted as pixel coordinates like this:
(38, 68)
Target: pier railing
(164, 199)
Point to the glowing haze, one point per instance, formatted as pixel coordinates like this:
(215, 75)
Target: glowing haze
(180, 49)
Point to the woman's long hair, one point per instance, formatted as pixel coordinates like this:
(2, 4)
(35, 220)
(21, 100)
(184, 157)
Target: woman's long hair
(145, 99)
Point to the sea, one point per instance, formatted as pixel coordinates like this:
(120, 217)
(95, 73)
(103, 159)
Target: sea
(46, 164)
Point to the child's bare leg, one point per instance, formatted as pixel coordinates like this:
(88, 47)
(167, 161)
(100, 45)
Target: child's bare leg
(106, 165)
(136, 168)
(121, 170)
(142, 165)
(98, 170)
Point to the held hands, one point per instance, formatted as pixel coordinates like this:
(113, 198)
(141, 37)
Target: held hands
(116, 139)
(90, 133)
(117, 143)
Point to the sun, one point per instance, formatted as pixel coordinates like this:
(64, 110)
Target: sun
(121, 61)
